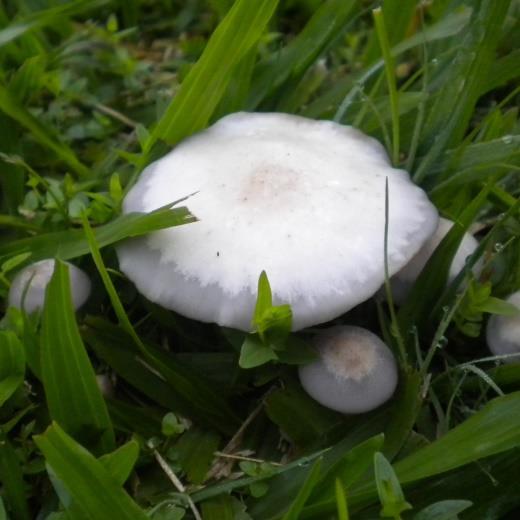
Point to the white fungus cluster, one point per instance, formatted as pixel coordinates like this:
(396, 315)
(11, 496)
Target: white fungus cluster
(303, 200)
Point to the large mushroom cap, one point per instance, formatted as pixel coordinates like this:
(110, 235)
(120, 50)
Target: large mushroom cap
(303, 200)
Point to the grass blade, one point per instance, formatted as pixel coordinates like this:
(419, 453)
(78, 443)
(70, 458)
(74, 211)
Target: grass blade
(46, 17)
(450, 115)
(72, 394)
(292, 62)
(10, 106)
(431, 283)
(12, 481)
(206, 83)
(120, 462)
(12, 364)
(341, 500)
(305, 491)
(390, 78)
(72, 243)
(494, 429)
(349, 468)
(88, 482)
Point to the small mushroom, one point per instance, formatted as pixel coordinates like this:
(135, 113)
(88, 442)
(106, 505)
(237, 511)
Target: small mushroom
(105, 385)
(303, 200)
(29, 285)
(403, 280)
(503, 332)
(355, 372)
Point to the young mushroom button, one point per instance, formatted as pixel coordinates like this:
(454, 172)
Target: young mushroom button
(503, 332)
(29, 285)
(355, 372)
(303, 200)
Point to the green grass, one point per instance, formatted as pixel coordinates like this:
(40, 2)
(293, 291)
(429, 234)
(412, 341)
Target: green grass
(90, 93)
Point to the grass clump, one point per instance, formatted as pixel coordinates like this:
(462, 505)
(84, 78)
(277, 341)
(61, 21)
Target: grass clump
(92, 92)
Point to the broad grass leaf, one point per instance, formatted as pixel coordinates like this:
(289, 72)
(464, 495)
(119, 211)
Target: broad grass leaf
(284, 486)
(73, 243)
(493, 430)
(71, 391)
(13, 485)
(120, 462)
(235, 98)
(348, 469)
(491, 497)
(94, 490)
(326, 25)
(305, 491)
(206, 83)
(12, 364)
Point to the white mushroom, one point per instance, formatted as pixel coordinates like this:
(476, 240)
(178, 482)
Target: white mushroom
(503, 332)
(105, 385)
(403, 280)
(303, 200)
(29, 285)
(355, 372)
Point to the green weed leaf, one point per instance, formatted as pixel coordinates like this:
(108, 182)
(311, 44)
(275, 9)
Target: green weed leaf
(388, 488)
(255, 353)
